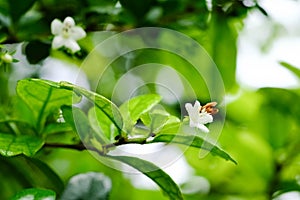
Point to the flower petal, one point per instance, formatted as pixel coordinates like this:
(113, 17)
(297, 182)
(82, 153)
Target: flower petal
(193, 111)
(202, 128)
(205, 118)
(72, 45)
(69, 21)
(77, 33)
(56, 27)
(197, 106)
(58, 42)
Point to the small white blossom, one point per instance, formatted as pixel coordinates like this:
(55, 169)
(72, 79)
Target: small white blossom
(7, 58)
(198, 117)
(66, 34)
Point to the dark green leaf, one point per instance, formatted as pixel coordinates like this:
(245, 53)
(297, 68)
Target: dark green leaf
(37, 51)
(30, 172)
(193, 141)
(261, 9)
(109, 109)
(36, 194)
(162, 179)
(11, 145)
(87, 186)
(137, 8)
(44, 98)
(18, 9)
(285, 187)
(134, 108)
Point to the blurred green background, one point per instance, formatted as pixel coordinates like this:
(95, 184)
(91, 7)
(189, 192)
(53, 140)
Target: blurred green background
(261, 130)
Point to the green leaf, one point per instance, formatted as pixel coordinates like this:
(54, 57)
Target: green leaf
(221, 44)
(81, 125)
(162, 179)
(76, 118)
(18, 9)
(292, 68)
(137, 8)
(102, 125)
(193, 141)
(11, 145)
(110, 111)
(36, 194)
(21, 111)
(134, 108)
(159, 119)
(37, 51)
(91, 185)
(30, 172)
(44, 98)
(57, 128)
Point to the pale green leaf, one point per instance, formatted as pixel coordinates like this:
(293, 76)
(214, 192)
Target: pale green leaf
(102, 125)
(109, 109)
(44, 98)
(158, 119)
(134, 108)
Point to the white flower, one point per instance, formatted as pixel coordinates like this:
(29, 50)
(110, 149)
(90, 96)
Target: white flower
(198, 117)
(66, 34)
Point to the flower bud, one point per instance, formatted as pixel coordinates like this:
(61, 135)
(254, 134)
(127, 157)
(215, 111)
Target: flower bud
(7, 58)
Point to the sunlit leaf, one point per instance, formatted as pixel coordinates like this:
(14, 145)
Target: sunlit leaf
(102, 125)
(162, 179)
(91, 185)
(81, 125)
(109, 109)
(11, 145)
(159, 119)
(44, 98)
(193, 141)
(36, 194)
(134, 108)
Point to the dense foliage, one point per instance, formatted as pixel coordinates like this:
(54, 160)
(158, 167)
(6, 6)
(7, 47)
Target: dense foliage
(62, 140)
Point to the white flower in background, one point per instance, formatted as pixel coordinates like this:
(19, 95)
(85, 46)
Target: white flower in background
(66, 34)
(198, 116)
(7, 58)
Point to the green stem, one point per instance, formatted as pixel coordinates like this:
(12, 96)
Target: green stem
(4, 97)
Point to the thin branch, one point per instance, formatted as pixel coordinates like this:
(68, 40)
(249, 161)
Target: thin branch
(105, 148)
(79, 147)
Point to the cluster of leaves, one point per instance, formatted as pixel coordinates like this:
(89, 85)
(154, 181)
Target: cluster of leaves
(36, 119)
(30, 21)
